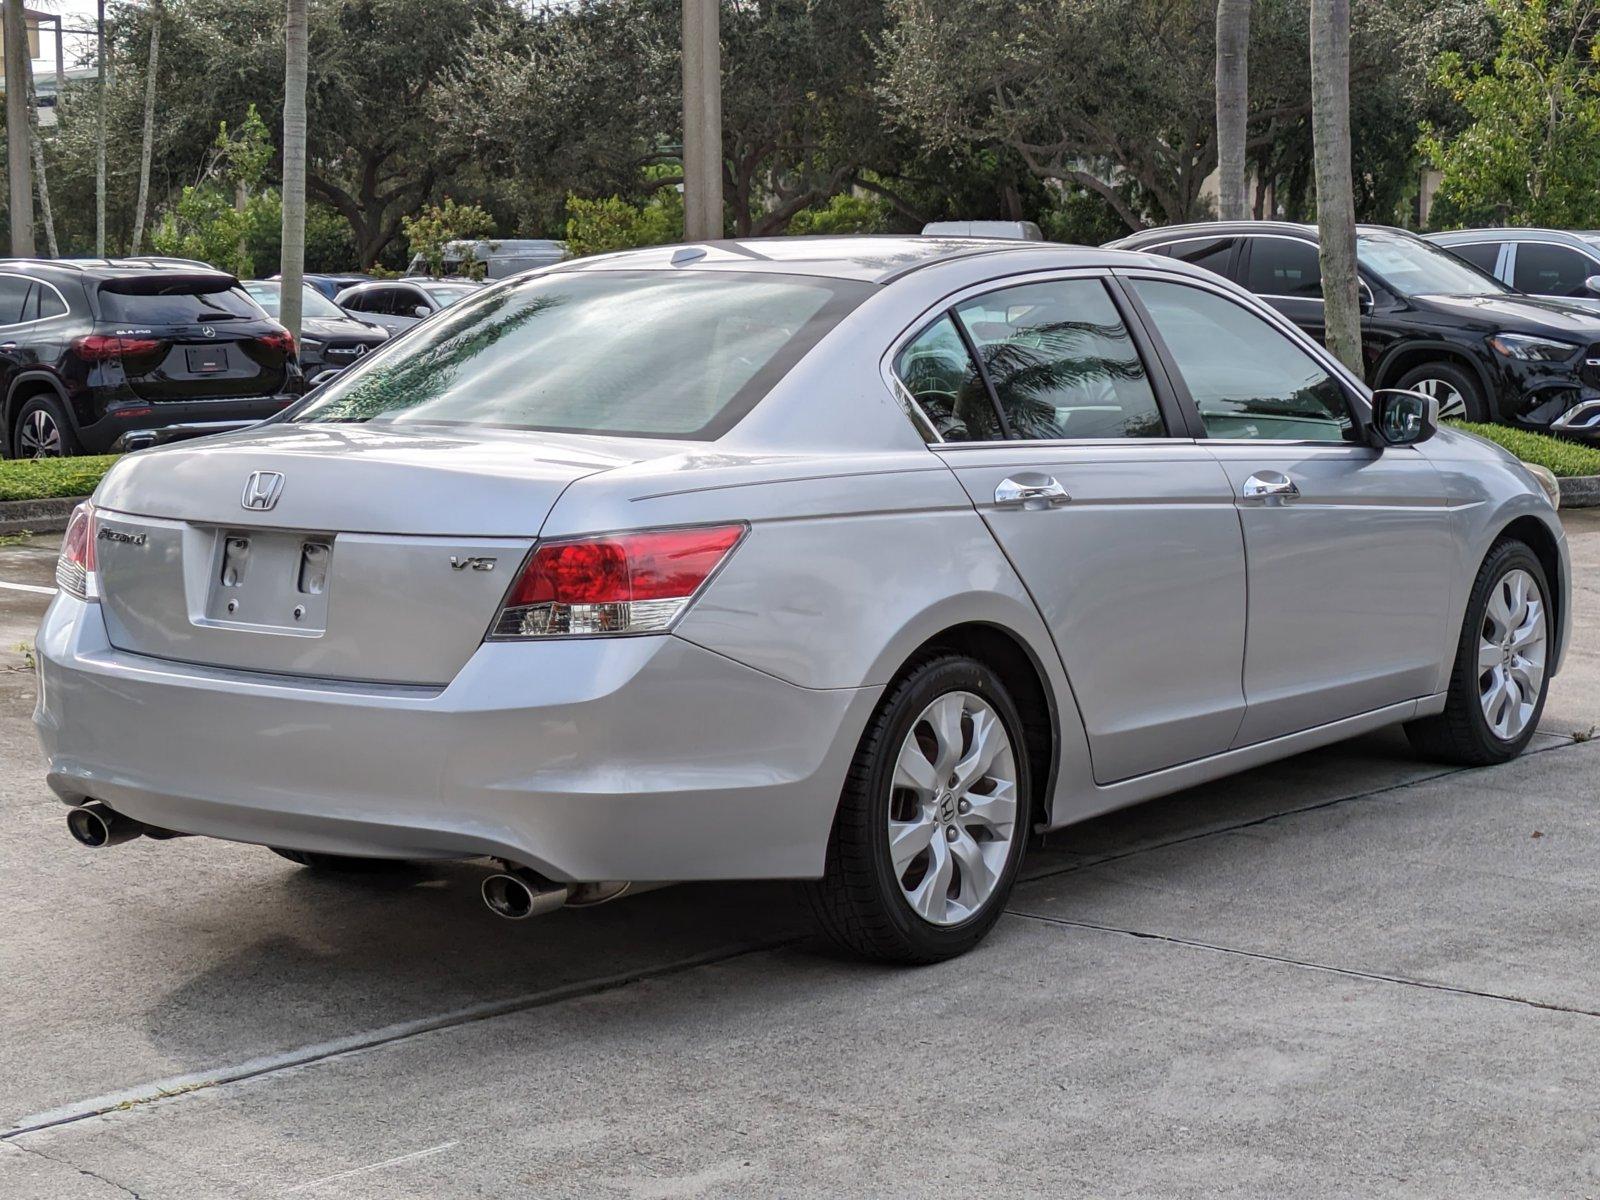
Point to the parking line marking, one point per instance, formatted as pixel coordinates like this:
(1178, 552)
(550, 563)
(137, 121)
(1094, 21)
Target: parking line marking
(390, 1162)
(28, 587)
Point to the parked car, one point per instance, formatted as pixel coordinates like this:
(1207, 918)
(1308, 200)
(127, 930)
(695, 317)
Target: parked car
(841, 559)
(331, 285)
(330, 338)
(398, 304)
(1430, 321)
(1539, 262)
(116, 355)
(494, 259)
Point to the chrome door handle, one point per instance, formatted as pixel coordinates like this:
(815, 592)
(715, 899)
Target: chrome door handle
(8, 346)
(1031, 491)
(1268, 485)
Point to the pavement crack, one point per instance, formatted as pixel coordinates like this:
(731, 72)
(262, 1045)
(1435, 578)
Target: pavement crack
(1305, 964)
(34, 1150)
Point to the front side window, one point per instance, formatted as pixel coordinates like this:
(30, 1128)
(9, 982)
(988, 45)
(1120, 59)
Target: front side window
(1483, 255)
(1062, 362)
(940, 376)
(1546, 270)
(627, 353)
(1246, 377)
(1284, 267)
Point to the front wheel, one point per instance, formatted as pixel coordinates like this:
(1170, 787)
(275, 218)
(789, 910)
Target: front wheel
(1498, 684)
(1460, 396)
(933, 820)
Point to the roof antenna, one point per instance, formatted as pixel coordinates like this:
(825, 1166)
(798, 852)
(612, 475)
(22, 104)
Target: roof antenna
(687, 254)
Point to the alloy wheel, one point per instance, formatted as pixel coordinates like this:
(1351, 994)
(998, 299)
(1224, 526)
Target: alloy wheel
(952, 808)
(1452, 404)
(39, 436)
(1511, 654)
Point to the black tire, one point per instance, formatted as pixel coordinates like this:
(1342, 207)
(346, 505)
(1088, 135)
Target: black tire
(39, 414)
(858, 903)
(1461, 733)
(342, 864)
(1474, 406)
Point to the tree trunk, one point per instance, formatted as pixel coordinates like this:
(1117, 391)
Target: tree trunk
(1233, 107)
(702, 122)
(17, 166)
(40, 181)
(1336, 206)
(147, 147)
(100, 131)
(293, 262)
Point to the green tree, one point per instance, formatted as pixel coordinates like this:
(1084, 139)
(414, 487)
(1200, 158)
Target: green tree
(436, 226)
(600, 226)
(1529, 151)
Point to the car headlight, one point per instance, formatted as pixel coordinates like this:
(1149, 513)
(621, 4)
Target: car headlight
(1532, 349)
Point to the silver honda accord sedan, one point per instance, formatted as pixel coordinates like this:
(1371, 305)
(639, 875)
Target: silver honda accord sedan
(846, 560)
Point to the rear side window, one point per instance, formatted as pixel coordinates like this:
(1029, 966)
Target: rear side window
(1483, 255)
(938, 372)
(1547, 270)
(175, 305)
(1062, 362)
(1281, 267)
(629, 353)
(50, 302)
(1212, 253)
(13, 294)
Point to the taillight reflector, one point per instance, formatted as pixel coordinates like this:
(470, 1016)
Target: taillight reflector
(76, 563)
(101, 347)
(620, 583)
(280, 339)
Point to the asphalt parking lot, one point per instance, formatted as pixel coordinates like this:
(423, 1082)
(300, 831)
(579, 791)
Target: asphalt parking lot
(1347, 974)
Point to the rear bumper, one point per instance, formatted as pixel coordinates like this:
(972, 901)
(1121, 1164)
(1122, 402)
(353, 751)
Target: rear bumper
(140, 426)
(606, 759)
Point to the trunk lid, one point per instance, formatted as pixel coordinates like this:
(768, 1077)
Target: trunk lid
(382, 556)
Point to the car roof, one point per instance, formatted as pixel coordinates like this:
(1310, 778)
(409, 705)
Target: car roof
(104, 269)
(876, 259)
(1522, 233)
(1200, 229)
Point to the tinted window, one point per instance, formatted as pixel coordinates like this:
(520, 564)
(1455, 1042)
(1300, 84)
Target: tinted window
(50, 303)
(1210, 253)
(1281, 267)
(13, 291)
(1247, 378)
(1547, 270)
(176, 306)
(1413, 267)
(1061, 362)
(1482, 255)
(30, 306)
(621, 352)
(358, 302)
(939, 373)
(402, 302)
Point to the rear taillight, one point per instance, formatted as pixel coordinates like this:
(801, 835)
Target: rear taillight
(76, 563)
(101, 347)
(280, 340)
(620, 583)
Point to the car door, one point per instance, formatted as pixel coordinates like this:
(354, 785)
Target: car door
(1120, 526)
(1349, 550)
(1286, 273)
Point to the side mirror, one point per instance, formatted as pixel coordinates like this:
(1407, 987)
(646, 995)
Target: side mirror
(422, 310)
(1402, 418)
(1592, 284)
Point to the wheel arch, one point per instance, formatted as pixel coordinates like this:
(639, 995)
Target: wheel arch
(1410, 354)
(1538, 537)
(25, 387)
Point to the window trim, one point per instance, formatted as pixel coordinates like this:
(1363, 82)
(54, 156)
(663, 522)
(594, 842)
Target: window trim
(1173, 415)
(1357, 400)
(41, 283)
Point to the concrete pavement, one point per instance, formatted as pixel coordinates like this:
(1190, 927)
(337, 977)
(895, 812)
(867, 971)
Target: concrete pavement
(1346, 974)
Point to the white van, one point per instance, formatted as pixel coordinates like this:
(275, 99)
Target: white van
(501, 257)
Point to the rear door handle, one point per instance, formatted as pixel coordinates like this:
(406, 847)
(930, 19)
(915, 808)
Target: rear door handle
(1269, 485)
(1030, 490)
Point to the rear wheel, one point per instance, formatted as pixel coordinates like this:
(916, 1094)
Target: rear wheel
(933, 820)
(1460, 396)
(346, 864)
(43, 430)
(1499, 682)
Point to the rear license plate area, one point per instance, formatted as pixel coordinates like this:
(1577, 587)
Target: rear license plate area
(270, 580)
(206, 360)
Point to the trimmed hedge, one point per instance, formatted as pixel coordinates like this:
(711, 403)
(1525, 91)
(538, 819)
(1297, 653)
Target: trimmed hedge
(1560, 456)
(50, 478)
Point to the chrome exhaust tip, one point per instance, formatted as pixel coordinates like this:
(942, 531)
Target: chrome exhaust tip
(519, 893)
(95, 825)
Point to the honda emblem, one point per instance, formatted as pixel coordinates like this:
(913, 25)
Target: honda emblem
(261, 490)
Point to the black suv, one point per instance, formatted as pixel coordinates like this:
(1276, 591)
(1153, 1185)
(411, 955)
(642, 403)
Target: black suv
(1430, 321)
(105, 354)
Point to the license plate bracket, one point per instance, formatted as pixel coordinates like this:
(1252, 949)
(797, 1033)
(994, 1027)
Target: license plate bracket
(206, 360)
(274, 581)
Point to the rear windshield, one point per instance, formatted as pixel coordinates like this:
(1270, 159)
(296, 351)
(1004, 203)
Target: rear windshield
(177, 307)
(628, 353)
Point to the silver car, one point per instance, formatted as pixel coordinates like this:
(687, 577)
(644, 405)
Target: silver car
(851, 561)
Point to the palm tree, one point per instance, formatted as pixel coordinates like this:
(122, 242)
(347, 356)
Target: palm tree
(292, 264)
(36, 144)
(1233, 106)
(100, 131)
(148, 145)
(1336, 205)
(17, 166)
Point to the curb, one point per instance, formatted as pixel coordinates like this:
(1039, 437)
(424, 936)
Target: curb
(37, 516)
(1577, 491)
